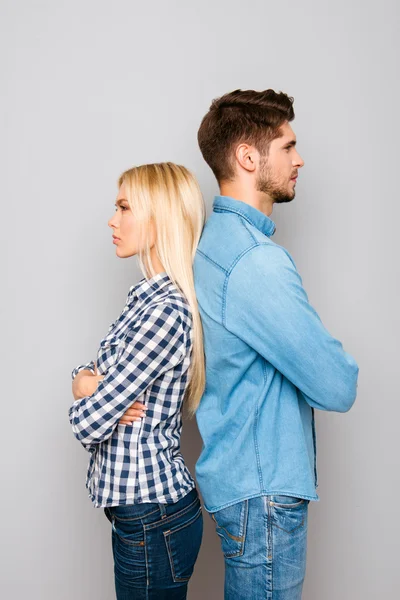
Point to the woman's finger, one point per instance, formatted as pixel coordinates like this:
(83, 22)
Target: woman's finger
(138, 405)
(134, 412)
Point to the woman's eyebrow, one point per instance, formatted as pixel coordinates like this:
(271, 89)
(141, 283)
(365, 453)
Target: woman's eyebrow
(120, 201)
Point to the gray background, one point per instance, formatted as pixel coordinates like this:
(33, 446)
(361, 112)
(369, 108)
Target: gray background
(91, 88)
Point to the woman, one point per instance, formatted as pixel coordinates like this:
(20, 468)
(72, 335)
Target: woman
(127, 409)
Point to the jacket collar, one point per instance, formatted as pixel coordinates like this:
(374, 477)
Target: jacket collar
(252, 215)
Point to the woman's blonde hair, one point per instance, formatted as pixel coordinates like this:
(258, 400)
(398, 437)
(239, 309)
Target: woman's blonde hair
(167, 197)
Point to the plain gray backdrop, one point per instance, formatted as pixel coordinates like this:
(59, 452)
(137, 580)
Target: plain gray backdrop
(90, 88)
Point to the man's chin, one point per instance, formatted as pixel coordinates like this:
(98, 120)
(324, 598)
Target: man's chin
(283, 199)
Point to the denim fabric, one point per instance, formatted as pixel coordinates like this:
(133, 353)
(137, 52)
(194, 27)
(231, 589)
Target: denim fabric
(264, 542)
(155, 547)
(269, 363)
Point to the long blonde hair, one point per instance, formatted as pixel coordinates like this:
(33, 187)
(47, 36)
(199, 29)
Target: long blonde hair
(167, 196)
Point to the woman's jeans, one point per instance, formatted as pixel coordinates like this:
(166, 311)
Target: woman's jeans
(155, 547)
(264, 541)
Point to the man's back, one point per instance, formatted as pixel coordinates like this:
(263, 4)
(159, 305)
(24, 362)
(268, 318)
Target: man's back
(269, 359)
(269, 362)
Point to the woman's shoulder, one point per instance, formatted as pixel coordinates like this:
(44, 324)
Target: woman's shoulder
(171, 307)
(175, 305)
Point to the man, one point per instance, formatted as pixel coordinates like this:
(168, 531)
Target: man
(270, 362)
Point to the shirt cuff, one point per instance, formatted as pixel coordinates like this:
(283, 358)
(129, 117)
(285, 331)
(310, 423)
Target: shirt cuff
(87, 367)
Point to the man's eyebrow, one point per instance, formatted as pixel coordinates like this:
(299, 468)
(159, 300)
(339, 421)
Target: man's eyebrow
(290, 144)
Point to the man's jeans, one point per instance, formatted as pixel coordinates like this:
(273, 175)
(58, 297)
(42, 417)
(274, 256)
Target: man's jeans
(155, 547)
(264, 541)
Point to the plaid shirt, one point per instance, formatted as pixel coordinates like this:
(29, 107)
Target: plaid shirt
(145, 356)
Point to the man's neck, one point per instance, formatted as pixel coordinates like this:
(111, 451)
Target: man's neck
(238, 191)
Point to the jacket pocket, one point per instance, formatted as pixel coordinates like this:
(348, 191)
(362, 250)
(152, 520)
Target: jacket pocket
(231, 525)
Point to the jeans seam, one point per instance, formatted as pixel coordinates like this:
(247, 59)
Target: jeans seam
(186, 524)
(136, 518)
(289, 504)
(171, 517)
(146, 563)
(292, 530)
(270, 548)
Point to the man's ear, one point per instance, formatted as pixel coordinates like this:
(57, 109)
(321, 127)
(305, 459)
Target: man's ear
(247, 156)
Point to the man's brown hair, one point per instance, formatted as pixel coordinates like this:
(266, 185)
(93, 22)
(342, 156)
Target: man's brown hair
(242, 116)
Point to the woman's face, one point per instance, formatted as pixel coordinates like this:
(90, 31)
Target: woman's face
(126, 230)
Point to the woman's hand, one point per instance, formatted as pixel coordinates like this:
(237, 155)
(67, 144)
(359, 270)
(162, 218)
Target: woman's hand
(85, 384)
(136, 412)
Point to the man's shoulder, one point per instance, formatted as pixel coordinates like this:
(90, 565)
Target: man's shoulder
(225, 241)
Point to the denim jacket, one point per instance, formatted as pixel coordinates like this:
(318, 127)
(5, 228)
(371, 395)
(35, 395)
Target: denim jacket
(269, 363)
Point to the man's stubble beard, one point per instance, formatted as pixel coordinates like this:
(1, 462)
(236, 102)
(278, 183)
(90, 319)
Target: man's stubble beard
(267, 184)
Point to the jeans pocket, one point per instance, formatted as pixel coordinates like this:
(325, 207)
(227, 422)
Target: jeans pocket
(129, 531)
(129, 552)
(183, 545)
(289, 513)
(231, 525)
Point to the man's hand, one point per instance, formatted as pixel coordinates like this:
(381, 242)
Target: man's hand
(135, 413)
(85, 384)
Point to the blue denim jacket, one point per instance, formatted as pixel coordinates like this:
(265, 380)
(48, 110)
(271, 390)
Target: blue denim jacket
(269, 363)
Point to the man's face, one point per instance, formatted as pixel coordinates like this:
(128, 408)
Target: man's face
(278, 169)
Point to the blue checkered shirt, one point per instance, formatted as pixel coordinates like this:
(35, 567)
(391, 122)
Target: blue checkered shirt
(145, 356)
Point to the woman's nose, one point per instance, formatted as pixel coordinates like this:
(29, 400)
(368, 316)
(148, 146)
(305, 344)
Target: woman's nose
(112, 221)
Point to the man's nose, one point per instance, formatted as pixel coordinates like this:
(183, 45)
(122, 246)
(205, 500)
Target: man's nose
(298, 161)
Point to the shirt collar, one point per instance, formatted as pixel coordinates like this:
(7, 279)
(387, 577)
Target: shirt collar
(252, 215)
(148, 287)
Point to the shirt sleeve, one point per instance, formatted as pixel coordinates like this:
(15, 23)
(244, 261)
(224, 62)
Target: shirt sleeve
(153, 346)
(88, 367)
(267, 307)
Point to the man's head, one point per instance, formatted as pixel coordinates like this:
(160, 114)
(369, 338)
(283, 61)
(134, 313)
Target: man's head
(246, 138)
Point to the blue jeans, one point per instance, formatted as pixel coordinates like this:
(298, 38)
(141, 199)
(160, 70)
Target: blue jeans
(155, 547)
(264, 541)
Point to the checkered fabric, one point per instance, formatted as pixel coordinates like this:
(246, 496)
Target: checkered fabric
(145, 356)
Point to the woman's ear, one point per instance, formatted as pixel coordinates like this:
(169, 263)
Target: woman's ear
(152, 234)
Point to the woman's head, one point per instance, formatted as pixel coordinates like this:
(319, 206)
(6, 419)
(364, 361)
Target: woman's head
(160, 216)
(159, 209)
